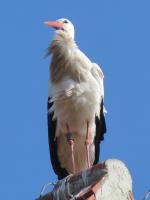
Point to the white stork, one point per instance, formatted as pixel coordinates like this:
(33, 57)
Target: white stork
(76, 122)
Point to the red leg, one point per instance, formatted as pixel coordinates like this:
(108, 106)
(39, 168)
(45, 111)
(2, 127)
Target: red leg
(71, 144)
(87, 144)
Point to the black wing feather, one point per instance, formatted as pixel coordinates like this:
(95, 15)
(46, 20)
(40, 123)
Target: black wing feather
(61, 172)
(100, 131)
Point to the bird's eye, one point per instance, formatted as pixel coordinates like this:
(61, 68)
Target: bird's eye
(65, 21)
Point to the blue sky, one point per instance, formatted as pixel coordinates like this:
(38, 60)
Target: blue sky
(116, 35)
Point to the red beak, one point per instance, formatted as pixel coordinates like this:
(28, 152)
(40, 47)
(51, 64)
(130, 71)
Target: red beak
(54, 24)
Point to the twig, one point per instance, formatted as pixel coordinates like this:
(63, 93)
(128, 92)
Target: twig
(147, 195)
(45, 187)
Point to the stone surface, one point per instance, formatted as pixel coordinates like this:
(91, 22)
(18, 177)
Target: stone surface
(118, 183)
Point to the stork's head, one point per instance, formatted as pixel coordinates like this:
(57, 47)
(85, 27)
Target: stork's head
(62, 25)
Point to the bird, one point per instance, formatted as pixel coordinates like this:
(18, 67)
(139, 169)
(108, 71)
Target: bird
(76, 112)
